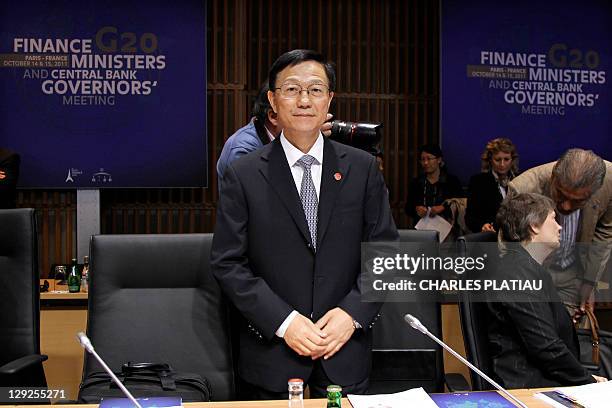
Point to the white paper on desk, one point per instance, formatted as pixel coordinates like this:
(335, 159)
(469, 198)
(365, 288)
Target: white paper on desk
(548, 400)
(414, 398)
(596, 395)
(436, 223)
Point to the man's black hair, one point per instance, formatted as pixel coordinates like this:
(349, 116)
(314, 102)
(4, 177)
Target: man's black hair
(295, 57)
(261, 106)
(432, 149)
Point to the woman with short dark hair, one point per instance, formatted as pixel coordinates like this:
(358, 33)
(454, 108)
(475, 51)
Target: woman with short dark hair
(532, 341)
(429, 191)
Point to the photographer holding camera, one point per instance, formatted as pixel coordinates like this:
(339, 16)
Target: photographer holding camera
(263, 128)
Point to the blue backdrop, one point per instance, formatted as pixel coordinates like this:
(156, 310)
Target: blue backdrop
(123, 106)
(558, 98)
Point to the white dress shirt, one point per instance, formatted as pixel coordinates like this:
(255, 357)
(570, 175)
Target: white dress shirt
(293, 154)
(270, 135)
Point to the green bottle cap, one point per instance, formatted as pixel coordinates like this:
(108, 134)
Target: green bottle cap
(334, 388)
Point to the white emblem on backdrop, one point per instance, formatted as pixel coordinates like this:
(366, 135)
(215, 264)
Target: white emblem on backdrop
(102, 177)
(69, 177)
(72, 174)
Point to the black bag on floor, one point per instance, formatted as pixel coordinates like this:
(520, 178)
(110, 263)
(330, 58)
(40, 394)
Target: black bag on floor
(595, 347)
(145, 380)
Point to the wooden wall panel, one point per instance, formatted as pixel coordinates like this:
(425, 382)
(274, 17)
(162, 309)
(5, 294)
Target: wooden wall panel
(387, 60)
(56, 221)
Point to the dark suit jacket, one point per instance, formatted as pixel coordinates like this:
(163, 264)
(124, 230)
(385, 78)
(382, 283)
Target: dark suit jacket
(483, 201)
(533, 343)
(264, 261)
(9, 163)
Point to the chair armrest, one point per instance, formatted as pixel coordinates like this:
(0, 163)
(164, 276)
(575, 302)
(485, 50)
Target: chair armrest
(15, 366)
(456, 382)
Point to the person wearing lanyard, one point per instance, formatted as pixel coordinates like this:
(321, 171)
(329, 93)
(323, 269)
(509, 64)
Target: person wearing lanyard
(428, 192)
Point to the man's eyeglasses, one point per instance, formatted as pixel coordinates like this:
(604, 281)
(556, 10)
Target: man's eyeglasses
(293, 90)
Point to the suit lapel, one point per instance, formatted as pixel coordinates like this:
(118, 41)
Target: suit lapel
(277, 173)
(334, 173)
(494, 186)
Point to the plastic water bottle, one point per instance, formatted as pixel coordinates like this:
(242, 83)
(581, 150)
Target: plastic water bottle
(85, 275)
(296, 393)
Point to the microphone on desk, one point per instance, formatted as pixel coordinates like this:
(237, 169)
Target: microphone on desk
(86, 343)
(417, 325)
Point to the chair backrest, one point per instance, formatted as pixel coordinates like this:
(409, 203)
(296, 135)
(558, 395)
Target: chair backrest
(403, 358)
(19, 291)
(414, 235)
(475, 315)
(471, 242)
(153, 299)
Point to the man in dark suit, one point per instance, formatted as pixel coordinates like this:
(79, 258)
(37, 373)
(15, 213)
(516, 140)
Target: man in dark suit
(290, 223)
(9, 174)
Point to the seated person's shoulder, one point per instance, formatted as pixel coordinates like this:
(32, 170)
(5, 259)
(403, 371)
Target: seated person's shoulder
(451, 178)
(515, 264)
(245, 137)
(482, 183)
(417, 181)
(480, 178)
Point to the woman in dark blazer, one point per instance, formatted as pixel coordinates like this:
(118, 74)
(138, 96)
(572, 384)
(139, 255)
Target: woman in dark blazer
(488, 188)
(532, 341)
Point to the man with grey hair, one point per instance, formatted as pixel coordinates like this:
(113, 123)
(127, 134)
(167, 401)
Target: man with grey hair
(580, 184)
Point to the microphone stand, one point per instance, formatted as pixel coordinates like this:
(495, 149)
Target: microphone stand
(86, 343)
(417, 325)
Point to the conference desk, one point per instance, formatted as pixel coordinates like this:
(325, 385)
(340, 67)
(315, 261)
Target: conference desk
(525, 396)
(62, 315)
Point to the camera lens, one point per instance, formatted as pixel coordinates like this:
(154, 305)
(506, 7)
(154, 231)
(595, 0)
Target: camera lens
(364, 136)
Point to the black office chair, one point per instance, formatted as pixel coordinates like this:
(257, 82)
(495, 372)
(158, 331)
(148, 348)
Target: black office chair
(415, 236)
(153, 299)
(473, 243)
(20, 358)
(474, 315)
(403, 358)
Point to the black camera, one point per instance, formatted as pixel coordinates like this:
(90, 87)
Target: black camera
(364, 136)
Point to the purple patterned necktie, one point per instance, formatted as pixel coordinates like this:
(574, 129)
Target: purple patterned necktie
(308, 194)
